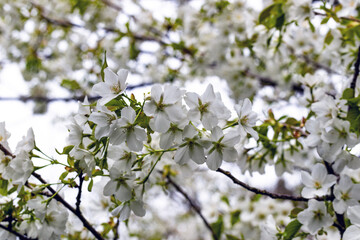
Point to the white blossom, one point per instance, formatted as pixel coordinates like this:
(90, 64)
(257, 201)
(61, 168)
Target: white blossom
(165, 107)
(318, 183)
(113, 85)
(222, 148)
(208, 108)
(315, 216)
(247, 118)
(124, 129)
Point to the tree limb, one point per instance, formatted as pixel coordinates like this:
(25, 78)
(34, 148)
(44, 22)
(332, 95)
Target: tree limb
(20, 236)
(193, 205)
(68, 206)
(78, 197)
(270, 194)
(356, 73)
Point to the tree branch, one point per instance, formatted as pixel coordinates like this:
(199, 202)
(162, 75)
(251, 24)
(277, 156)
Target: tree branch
(269, 194)
(78, 197)
(20, 236)
(6, 152)
(68, 206)
(356, 73)
(342, 18)
(193, 205)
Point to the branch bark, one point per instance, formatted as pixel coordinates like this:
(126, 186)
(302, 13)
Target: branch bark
(20, 236)
(193, 205)
(270, 194)
(69, 207)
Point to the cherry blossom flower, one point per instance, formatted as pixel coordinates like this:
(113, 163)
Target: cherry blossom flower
(339, 135)
(103, 118)
(222, 148)
(19, 169)
(191, 147)
(165, 107)
(208, 108)
(27, 143)
(124, 210)
(113, 86)
(353, 231)
(173, 135)
(318, 183)
(315, 216)
(52, 216)
(4, 135)
(124, 129)
(347, 194)
(120, 184)
(247, 118)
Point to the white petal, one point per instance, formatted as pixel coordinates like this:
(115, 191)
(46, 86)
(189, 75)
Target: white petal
(182, 155)
(138, 208)
(110, 77)
(172, 94)
(354, 214)
(156, 92)
(160, 123)
(123, 193)
(214, 160)
(128, 113)
(352, 233)
(208, 95)
(197, 154)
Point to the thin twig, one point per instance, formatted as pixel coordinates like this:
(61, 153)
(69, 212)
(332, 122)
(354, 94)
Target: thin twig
(193, 205)
(116, 229)
(6, 152)
(342, 18)
(270, 194)
(22, 237)
(78, 197)
(356, 73)
(68, 206)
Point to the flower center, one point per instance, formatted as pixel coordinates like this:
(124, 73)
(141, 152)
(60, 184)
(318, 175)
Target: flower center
(116, 88)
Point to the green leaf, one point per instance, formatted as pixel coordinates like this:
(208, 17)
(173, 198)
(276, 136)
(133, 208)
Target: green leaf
(105, 65)
(294, 212)
(3, 187)
(90, 185)
(66, 150)
(273, 16)
(70, 84)
(292, 121)
(291, 229)
(348, 93)
(328, 38)
(64, 175)
(235, 217)
(218, 226)
(231, 237)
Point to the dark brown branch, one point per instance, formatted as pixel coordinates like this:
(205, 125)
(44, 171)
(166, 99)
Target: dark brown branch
(58, 198)
(342, 18)
(270, 194)
(20, 236)
(6, 152)
(193, 205)
(116, 229)
(78, 197)
(112, 5)
(356, 73)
